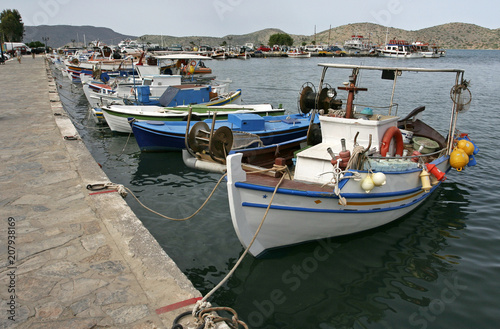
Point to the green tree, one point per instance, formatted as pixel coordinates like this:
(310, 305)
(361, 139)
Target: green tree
(35, 44)
(11, 25)
(281, 39)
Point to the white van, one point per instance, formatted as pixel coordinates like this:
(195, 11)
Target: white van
(11, 47)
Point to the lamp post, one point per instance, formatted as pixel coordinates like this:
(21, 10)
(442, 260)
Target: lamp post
(45, 39)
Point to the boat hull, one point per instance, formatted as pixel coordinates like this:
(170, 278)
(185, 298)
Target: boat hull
(160, 136)
(117, 118)
(298, 214)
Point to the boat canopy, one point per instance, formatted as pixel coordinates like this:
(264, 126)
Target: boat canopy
(382, 68)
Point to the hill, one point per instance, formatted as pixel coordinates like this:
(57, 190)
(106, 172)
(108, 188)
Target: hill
(60, 35)
(449, 36)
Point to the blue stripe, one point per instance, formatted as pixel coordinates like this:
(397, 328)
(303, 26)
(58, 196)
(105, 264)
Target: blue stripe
(314, 194)
(342, 211)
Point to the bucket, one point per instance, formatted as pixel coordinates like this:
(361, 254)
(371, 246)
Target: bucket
(407, 136)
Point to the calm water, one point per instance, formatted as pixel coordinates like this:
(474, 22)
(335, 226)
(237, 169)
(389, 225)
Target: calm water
(438, 267)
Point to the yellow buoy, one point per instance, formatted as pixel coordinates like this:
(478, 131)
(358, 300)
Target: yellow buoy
(426, 180)
(466, 145)
(458, 159)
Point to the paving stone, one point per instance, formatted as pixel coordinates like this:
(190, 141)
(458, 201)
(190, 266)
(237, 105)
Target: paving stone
(39, 246)
(108, 268)
(106, 297)
(81, 305)
(31, 288)
(128, 314)
(77, 288)
(67, 324)
(93, 242)
(49, 311)
(62, 269)
(101, 254)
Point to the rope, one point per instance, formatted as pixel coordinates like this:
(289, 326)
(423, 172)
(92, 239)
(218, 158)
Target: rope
(119, 187)
(355, 157)
(202, 306)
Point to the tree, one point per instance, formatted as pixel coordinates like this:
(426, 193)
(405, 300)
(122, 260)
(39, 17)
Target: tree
(281, 39)
(11, 25)
(35, 44)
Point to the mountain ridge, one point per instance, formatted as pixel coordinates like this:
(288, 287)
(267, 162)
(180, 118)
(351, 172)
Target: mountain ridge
(450, 36)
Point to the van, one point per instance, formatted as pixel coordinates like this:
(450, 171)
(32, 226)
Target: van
(11, 47)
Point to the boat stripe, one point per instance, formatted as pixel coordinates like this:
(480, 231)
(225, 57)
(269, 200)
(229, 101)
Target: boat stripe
(366, 203)
(343, 211)
(316, 194)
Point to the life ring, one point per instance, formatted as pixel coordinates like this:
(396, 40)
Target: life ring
(75, 61)
(393, 133)
(193, 63)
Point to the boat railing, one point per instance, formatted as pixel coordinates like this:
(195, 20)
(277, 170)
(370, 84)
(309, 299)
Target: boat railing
(437, 153)
(388, 108)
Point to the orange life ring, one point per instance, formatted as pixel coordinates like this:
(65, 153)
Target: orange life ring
(193, 63)
(389, 135)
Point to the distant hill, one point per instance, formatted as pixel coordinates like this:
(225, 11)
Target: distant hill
(61, 35)
(449, 36)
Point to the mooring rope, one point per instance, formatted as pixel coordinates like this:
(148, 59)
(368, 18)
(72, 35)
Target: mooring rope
(100, 186)
(202, 306)
(203, 311)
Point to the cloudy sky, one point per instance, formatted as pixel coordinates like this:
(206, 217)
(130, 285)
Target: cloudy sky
(222, 17)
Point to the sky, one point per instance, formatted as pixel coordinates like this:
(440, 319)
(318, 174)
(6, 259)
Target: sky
(219, 18)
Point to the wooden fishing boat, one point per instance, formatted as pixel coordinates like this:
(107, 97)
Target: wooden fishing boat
(238, 131)
(362, 175)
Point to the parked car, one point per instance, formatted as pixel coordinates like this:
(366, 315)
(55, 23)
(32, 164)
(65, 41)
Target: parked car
(263, 48)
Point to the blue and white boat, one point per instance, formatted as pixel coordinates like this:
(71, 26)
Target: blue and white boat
(253, 130)
(362, 175)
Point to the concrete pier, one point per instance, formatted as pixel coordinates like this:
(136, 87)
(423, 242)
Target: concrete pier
(70, 258)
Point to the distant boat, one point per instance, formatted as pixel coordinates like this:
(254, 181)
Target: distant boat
(399, 49)
(298, 53)
(426, 50)
(358, 45)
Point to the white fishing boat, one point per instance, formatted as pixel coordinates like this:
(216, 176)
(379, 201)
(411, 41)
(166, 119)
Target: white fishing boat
(362, 175)
(118, 116)
(358, 45)
(298, 53)
(426, 50)
(399, 49)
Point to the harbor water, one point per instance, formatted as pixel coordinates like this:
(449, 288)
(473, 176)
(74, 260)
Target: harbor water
(437, 267)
